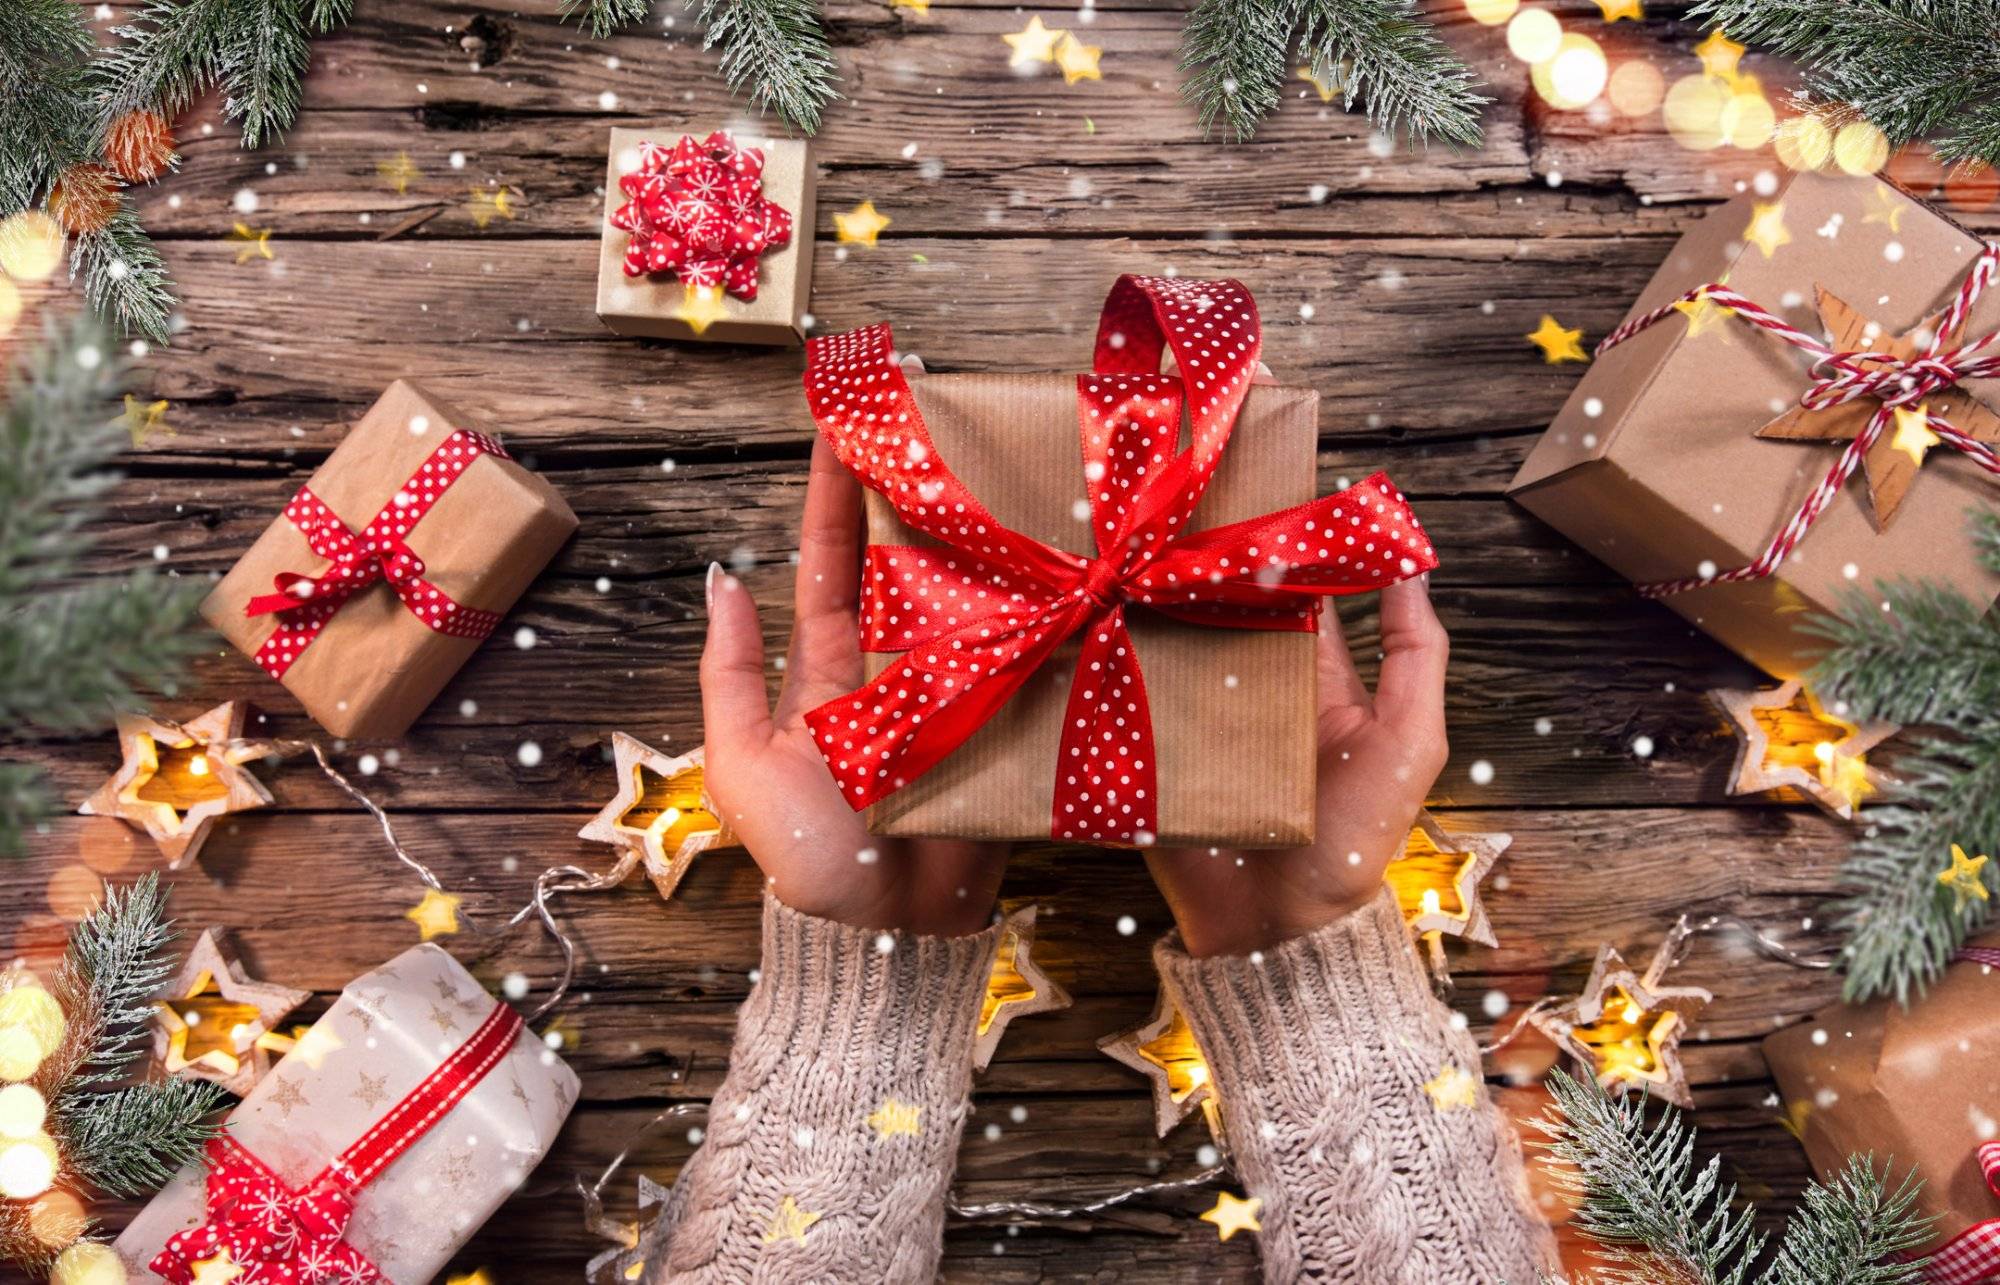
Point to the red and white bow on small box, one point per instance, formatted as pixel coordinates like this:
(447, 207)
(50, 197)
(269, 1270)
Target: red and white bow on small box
(698, 210)
(976, 618)
(1973, 1256)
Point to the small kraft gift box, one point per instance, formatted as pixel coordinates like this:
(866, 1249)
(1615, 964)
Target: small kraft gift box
(1790, 349)
(1085, 618)
(706, 238)
(390, 566)
(388, 1135)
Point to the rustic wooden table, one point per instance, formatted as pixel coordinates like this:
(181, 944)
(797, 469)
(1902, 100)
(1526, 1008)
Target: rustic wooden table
(1398, 283)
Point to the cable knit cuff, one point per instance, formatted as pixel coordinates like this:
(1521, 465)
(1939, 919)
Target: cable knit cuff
(830, 1144)
(1355, 1111)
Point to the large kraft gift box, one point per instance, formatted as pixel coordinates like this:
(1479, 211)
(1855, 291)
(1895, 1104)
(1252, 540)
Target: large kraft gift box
(1654, 464)
(374, 664)
(1917, 1086)
(1235, 746)
(353, 1088)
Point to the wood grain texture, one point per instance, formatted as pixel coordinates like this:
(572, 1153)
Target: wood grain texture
(1397, 283)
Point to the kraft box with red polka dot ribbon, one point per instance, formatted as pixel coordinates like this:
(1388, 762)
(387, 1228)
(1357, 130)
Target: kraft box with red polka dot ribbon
(390, 566)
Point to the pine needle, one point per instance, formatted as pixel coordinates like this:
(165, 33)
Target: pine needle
(603, 17)
(776, 52)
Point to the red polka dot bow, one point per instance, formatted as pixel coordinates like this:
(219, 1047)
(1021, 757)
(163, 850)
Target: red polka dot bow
(699, 212)
(976, 617)
(379, 551)
(1973, 1256)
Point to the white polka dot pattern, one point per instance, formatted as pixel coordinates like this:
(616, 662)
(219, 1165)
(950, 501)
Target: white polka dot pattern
(304, 604)
(974, 619)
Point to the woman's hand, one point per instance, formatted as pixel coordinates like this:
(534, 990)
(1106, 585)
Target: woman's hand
(765, 774)
(1377, 759)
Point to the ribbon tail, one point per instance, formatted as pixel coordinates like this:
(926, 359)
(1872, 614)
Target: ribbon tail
(1106, 778)
(286, 598)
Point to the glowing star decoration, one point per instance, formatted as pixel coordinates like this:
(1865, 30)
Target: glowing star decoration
(1453, 1089)
(860, 225)
(1017, 986)
(178, 779)
(661, 813)
(144, 419)
(922, 8)
(215, 1024)
(1704, 314)
(436, 915)
(788, 1222)
(479, 1277)
(1719, 56)
(1963, 878)
(1913, 436)
(1162, 1048)
(1786, 740)
(1887, 208)
(1032, 44)
(1233, 1214)
(894, 1118)
(1767, 230)
(1557, 343)
(1626, 1027)
(219, 1270)
(1323, 84)
(1077, 60)
(1613, 10)
(256, 242)
(1890, 467)
(1436, 879)
(700, 307)
(397, 172)
(486, 205)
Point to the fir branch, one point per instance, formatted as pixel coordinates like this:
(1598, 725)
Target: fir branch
(132, 1141)
(45, 121)
(115, 965)
(1236, 50)
(124, 277)
(263, 60)
(20, 1244)
(1850, 1233)
(778, 49)
(603, 17)
(1655, 1217)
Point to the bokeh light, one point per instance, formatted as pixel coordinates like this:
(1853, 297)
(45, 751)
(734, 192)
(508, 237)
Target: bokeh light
(22, 1111)
(31, 246)
(1804, 143)
(1747, 120)
(27, 1007)
(1693, 112)
(1637, 87)
(1860, 149)
(56, 1217)
(1575, 76)
(1491, 13)
(88, 1263)
(1533, 35)
(27, 1166)
(75, 893)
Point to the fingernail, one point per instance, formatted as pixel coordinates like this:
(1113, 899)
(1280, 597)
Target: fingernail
(708, 586)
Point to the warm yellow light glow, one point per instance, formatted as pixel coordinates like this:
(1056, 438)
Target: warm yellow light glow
(1005, 985)
(1637, 87)
(1860, 149)
(1431, 902)
(22, 1111)
(668, 811)
(1693, 112)
(1533, 35)
(27, 1007)
(198, 765)
(1626, 1042)
(1804, 143)
(1747, 120)
(1575, 76)
(27, 1167)
(1491, 13)
(31, 246)
(1175, 1052)
(20, 1054)
(87, 1263)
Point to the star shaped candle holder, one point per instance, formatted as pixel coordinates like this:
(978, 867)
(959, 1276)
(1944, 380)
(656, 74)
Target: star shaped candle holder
(1626, 1027)
(178, 779)
(1017, 986)
(1163, 1049)
(661, 815)
(1787, 740)
(1436, 882)
(218, 1023)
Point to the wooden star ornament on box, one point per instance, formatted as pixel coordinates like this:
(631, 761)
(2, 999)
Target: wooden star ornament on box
(1892, 462)
(661, 812)
(1162, 1048)
(1017, 986)
(1626, 1027)
(1785, 739)
(177, 779)
(217, 1023)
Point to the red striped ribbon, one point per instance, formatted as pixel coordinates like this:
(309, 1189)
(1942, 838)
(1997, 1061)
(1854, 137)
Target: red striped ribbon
(1841, 377)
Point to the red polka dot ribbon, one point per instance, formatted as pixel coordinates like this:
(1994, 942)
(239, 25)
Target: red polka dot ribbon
(698, 210)
(281, 1235)
(976, 617)
(380, 551)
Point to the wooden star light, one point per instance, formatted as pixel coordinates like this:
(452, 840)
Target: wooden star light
(1626, 1027)
(178, 778)
(1017, 986)
(1786, 740)
(661, 815)
(219, 1023)
(1892, 462)
(1436, 882)
(1162, 1048)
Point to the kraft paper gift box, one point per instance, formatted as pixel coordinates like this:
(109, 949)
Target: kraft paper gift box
(390, 1030)
(1232, 709)
(375, 665)
(1917, 1086)
(1654, 464)
(656, 304)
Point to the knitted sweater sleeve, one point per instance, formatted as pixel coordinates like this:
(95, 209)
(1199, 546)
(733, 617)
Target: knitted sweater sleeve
(830, 1144)
(1356, 1112)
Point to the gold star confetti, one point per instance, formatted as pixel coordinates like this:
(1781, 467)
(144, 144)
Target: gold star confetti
(1233, 1214)
(1557, 344)
(1703, 314)
(1613, 10)
(1787, 740)
(1626, 1027)
(143, 419)
(1913, 436)
(1325, 87)
(1032, 44)
(1963, 879)
(256, 245)
(860, 225)
(436, 915)
(661, 812)
(788, 1222)
(214, 1026)
(894, 1117)
(1453, 1088)
(700, 307)
(219, 1270)
(178, 779)
(397, 172)
(1888, 209)
(487, 205)
(1767, 230)
(1077, 60)
(1016, 987)
(1719, 55)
